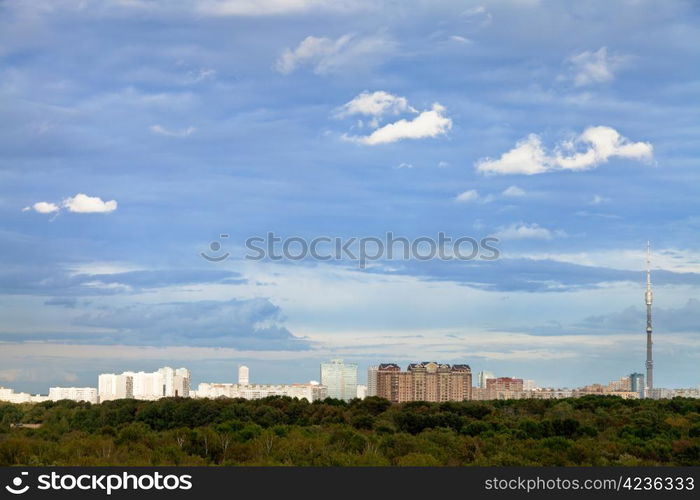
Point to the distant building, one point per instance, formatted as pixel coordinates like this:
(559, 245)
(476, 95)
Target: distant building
(361, 391)
(9, 395)
(659, 393)
(637, 383)
(503, 388)
(372, 380)
(504, 384)
(88, 394)
(427, 381)
(482, 377)
(311, 391)
(691, 392)
(621, 385)
(388, 381)
(243, 375)
(529, 385)
(112, 386)
(166, 382)
(340, 379)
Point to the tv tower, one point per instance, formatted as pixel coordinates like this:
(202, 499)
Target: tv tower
(648, 298)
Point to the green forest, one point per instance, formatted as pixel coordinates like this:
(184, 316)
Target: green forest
(590, 431)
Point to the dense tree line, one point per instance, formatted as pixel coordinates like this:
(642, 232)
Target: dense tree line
(591, 430)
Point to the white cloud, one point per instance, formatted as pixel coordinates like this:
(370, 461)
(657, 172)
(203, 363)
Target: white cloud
(467, 196)
(327, 55)
(668, 259)
(524, 231)
(375, 104)
(84, 204)
(404, 165)
(513, 192)
(43, 207)
(160, 130)
(431, 123)
(460, 39)
(529, 157)
(478, 15)
(198, 76)
(597, 200)
(257, 7)
(594, 67)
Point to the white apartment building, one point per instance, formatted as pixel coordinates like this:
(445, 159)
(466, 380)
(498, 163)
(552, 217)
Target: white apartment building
(310, 392)
(361, 391)
(9, 395)
(166, 382)
(88, 394)
(243, 375)
(112, 386)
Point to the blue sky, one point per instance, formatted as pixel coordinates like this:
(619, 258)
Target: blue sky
(135, 132)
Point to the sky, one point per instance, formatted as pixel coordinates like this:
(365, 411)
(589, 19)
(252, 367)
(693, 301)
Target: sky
(134, 133)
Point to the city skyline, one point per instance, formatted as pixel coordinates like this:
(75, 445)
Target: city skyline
(153, 134)
(333, 371)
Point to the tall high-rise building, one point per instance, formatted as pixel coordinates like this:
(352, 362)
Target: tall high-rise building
(427, 381)
(372, 380)
(340, 379)
(182, 382)
(112, 386)
(482, 377)
(648, 298)
(637, 383)
(243, 375)
(388, 381)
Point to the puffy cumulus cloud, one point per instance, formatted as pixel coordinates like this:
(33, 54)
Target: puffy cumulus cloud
(522, 231)
(375, 104)
(84, 204)
(590, 68)
(604, 143)
(327, 55)
(160, 130)
(43, 207)
(599, 144)
(467, 196)
(430, 123)
(80, 203)
(527, 157)
(513, 192)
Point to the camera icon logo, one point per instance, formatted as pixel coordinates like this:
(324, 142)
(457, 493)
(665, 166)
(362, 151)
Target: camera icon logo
(215, 246)
(16, 488)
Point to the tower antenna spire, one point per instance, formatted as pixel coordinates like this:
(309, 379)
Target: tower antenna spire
(648, 299)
